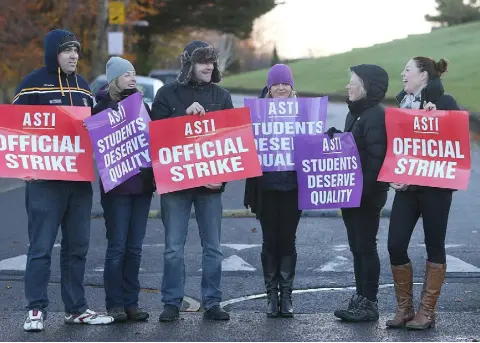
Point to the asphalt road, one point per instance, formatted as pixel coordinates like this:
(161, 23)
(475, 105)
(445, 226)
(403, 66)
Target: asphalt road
(324, 278)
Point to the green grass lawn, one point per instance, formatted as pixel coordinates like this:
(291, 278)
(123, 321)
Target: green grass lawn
(460, 45)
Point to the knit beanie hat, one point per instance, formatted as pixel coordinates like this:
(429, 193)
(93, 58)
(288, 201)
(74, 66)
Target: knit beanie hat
(69, 41)
(280, 73)
(117, 66)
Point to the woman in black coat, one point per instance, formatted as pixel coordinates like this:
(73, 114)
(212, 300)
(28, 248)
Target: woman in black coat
(423, 89)
(366, 121)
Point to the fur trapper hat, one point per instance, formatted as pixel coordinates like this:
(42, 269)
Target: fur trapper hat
(198, 52)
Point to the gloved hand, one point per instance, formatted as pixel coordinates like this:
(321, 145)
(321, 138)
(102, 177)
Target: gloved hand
(331, 131)
(146, 173)
(113, 105)
(147, 176)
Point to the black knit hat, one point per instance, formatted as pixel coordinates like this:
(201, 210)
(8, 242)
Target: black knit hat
(198, 52)
(69, 41)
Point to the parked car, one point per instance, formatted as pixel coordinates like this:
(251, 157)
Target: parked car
(164, 75)
(148, 85)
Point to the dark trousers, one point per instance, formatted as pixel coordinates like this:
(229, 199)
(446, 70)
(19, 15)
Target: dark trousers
(362, 228)
(126, 219)
(434, 207)
(49, 205)
(279, 220)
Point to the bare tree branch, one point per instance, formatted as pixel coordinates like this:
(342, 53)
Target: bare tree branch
(226, 49)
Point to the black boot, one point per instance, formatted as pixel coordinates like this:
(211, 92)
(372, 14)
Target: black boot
(366, 311)
(270, 275)
(352, 305)
(287, 275)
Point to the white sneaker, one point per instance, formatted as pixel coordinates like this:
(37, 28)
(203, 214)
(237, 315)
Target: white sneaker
(34, 321)
(88, 317)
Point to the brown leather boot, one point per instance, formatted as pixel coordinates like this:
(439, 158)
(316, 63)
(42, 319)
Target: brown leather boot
(403, 281)
(434, 278)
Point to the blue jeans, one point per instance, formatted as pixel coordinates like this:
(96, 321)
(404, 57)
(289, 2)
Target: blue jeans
(49, 205)
(126, 219)
(176, 209)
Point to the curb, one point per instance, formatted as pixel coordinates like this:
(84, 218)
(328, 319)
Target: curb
(244, 213)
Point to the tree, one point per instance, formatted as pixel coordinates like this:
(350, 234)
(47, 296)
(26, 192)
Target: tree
(220, 15)
(24, 23)
(455, 12)
(275, 58)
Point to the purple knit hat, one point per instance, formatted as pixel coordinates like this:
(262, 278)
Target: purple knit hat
(280, 73)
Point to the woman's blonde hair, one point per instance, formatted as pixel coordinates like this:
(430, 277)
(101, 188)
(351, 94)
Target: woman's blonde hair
(114, 91)
(293, 94)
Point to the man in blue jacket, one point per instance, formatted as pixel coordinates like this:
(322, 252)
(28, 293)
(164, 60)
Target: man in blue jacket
(51, 203)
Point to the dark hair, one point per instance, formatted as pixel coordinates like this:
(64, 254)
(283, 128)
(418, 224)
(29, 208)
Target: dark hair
(434, 69)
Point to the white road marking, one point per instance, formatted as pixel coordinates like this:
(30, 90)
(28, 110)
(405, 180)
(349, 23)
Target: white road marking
(14, 263)
(193, 305)
(337, 263)
(301, 291)
(456, 265)
(241, 246)
(340, 247)
(235, 263)
(447, 246)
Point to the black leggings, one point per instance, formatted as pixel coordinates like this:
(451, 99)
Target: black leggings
(434, 207)
(362, 227)
(279, 219)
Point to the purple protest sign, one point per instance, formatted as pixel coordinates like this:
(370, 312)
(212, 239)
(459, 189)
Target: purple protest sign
(120, 141)
(329, 172)
(275, 123)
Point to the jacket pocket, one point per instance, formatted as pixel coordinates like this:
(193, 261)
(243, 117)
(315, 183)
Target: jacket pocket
(213, 107)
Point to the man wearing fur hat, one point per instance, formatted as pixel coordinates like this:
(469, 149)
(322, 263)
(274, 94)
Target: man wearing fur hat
(194, 93)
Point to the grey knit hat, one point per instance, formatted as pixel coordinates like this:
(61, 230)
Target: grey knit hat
(117, 66)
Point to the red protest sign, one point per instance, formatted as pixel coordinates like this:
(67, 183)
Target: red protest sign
(192, 151)
(45, 143)
(427, 148)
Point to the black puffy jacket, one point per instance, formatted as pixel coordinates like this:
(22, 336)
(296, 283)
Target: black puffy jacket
(366, 122)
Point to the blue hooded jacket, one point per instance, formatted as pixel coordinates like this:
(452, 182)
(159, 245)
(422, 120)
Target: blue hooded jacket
(49, 85)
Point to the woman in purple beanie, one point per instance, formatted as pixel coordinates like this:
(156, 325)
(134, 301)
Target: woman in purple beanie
(273, 197)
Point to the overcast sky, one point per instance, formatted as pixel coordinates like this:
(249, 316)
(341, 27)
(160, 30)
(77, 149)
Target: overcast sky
(303, 28)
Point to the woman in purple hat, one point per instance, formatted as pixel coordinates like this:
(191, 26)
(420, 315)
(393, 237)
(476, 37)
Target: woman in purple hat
(273, 197)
